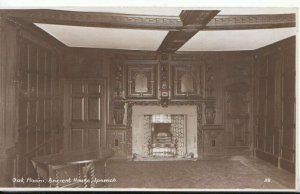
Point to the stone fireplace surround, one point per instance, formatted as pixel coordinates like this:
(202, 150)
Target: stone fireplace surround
(139, 111)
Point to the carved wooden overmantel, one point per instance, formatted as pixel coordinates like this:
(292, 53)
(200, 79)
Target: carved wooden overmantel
(141, 81)
(186, 80)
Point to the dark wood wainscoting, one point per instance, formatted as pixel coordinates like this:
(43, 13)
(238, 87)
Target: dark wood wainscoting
(275, 104)
(39, 97)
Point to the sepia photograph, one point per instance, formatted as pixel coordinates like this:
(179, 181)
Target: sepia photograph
(151, 98)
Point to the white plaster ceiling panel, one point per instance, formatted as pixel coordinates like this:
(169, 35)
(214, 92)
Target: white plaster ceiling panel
(230, 40)
(110, 38)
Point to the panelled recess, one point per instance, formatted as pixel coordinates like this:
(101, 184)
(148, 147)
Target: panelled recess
(141, 81)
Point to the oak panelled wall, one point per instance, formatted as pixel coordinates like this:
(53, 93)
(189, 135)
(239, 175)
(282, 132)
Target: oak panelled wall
(32, 111)
(275, 104)
(39, 99)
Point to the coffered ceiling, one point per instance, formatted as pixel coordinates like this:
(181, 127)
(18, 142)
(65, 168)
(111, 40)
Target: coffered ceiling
(165, 29)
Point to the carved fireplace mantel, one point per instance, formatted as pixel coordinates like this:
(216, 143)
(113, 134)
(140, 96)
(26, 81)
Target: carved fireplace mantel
(138, 126)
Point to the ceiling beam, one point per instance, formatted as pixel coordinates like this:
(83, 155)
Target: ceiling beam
(147, 22)
(96, 19)
(193, 21)
(243, 22)
(27, 26)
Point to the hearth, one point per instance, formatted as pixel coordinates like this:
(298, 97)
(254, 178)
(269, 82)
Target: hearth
(162, 144)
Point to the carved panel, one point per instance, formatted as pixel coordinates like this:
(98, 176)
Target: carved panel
(141, 81)
(117, 81)
(209, 81)
(213, 140)
(186, 81)
(164, 80)
(116, 140)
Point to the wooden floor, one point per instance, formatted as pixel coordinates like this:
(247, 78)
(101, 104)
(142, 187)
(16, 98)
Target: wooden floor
(236, 170)
(223, 172)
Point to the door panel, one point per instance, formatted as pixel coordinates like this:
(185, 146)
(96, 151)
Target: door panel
(94, 108)
(77, 108)
(77, 138)
(87, 121)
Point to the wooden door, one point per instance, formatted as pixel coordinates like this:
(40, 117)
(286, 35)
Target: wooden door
(87, 114)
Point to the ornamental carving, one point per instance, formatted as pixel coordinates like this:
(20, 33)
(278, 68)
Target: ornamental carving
(117, 81)
(209, 80)
(141, 81)
(164, 80)
(186, 81)
(221, 20)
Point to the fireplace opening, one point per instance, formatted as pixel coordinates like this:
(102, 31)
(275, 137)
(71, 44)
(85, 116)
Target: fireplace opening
(161, 133)
(162, 143)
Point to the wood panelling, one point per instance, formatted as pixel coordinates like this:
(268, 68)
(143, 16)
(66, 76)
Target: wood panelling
(39, 97)
(116, 140)
(29, 98)
(275, 103)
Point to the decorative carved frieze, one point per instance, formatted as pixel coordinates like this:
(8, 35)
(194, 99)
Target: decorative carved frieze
(251, 21)
(97, 19)
(185, 57)
(189, 19)
(141, 57)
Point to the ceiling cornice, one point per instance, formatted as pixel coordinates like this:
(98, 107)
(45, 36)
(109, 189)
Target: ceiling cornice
(240, 22)
(148, 22)
(95, 19)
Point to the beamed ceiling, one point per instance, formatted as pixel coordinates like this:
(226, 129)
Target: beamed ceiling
(163, 29)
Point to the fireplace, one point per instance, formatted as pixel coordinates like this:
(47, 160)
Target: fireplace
(162, 143)
(164, 132)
